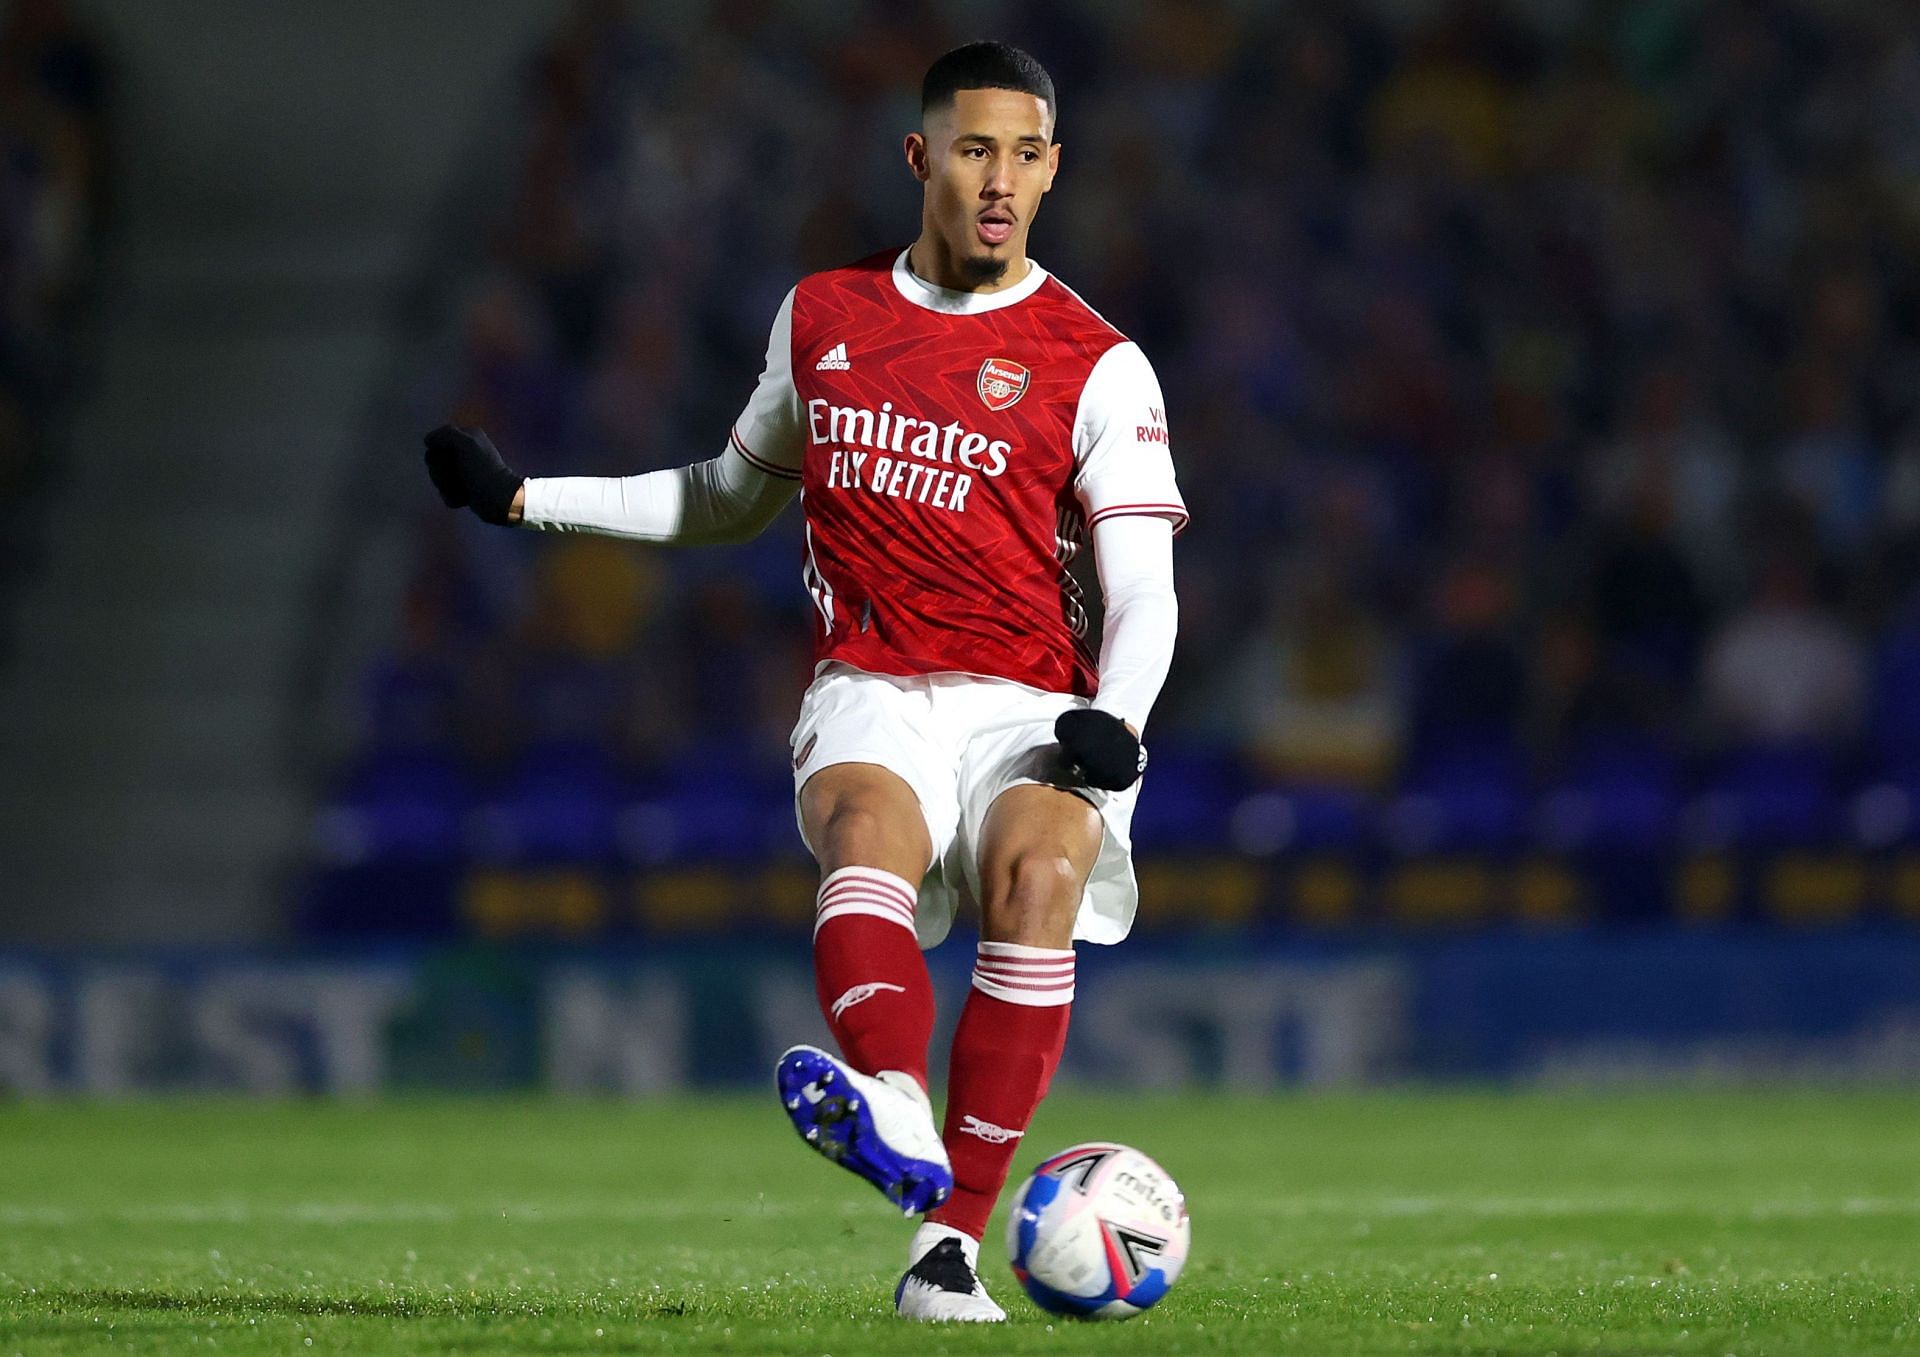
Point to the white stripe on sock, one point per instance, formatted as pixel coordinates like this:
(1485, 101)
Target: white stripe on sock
(1039, 977)
(863, 895)
(865, 890)
(869, 878)
(1019, 951)
(1024, 979)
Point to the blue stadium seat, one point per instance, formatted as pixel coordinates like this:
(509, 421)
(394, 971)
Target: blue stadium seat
(398, 805)
(1620, 791)
(1301, 818)
(390, 844)
(1896, 699)
(1886, 811)
(1470, 796)
(1766, 796)
(721, 800)
(1189, 799)
(558, 805)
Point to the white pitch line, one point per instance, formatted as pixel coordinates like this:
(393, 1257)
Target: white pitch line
(1540, 1207)
(405, 1213)
(430, 1213)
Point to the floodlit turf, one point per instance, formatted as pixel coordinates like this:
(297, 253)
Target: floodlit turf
(1405, 1223)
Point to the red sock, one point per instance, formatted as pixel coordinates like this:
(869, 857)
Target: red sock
(1011, 1033)
(869, 974)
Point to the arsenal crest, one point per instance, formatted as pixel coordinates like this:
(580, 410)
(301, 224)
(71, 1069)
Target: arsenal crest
(1002, 383)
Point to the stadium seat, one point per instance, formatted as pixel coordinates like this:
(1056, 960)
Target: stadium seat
(558, 805)
(1884, 811)
(720, 800)
(1301, 818)
(1463, 797)
(1896, 713)
(398, 805)
(1195, 789)
(390, 845)
(1619, 792)
(1767, 796)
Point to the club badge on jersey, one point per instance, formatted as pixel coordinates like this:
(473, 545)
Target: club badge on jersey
(1002, 382)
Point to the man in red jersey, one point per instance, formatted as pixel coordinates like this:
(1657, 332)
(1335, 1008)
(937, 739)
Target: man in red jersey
(958, 423)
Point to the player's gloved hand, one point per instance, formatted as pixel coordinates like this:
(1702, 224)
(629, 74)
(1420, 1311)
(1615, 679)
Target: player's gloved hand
(468, 471)
(1102, 751)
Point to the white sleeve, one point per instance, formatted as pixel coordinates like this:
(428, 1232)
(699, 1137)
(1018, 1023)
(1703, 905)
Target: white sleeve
(769, 433)
(1133, 555)
(1120, 445)
(726, 499)
(730, 498)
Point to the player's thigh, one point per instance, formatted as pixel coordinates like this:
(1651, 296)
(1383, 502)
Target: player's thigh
(864, 815)
(873, 783)
(1038, 846)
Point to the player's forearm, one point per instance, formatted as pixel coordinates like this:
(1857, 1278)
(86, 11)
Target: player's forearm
(1135, 653)
(717, 501)
(1135, 560)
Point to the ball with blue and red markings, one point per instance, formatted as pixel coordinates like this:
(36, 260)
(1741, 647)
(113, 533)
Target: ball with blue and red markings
(1099, 1231)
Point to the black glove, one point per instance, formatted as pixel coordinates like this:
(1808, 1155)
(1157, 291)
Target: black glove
(1100, 748)
(467, 471)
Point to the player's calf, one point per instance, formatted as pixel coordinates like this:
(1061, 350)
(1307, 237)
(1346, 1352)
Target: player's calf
(869, 974)
(1008, 1043)
(1038, 849)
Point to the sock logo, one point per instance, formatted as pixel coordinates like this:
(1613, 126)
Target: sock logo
(859, 994)
(986, 1130)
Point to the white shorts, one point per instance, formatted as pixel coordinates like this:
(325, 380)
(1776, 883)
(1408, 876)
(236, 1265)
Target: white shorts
(959, 741)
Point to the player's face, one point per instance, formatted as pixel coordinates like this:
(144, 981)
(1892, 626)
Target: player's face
(985, 160)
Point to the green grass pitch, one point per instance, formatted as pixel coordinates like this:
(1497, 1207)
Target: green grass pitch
(1385, 1223)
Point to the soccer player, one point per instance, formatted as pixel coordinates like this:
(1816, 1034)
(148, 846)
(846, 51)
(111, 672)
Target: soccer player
(958, 423)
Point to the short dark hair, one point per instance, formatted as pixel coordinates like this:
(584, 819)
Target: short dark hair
(986, 66)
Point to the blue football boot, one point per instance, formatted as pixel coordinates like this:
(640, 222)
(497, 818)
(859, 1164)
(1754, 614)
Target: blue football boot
(878, 1126)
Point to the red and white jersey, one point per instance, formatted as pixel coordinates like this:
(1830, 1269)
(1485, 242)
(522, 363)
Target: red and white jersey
(953, 451)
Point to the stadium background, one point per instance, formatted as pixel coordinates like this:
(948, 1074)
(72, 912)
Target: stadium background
(1545, 383)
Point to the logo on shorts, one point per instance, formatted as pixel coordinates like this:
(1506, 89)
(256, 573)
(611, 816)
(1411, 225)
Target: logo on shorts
(800, 754)
(1002, 383)
(987, 1131)
(859, 994)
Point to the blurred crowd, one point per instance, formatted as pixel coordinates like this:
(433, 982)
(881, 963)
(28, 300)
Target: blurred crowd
(1543, 378)
(53, 195)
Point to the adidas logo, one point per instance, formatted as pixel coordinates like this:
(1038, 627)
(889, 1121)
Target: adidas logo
(834, 360)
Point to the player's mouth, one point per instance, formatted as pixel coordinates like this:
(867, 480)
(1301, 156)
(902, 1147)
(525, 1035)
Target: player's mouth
(995, 226)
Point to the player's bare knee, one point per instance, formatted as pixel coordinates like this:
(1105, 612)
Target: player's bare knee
(1033, 901)
(853, 829)
(856, 823)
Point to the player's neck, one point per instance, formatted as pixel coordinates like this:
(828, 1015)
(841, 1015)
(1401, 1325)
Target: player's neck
(931, 262)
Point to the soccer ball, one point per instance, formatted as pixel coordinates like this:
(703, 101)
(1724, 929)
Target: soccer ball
(1098, 1232)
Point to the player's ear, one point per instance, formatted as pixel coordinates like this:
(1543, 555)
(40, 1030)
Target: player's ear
(1053, 164)
(916, 149)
